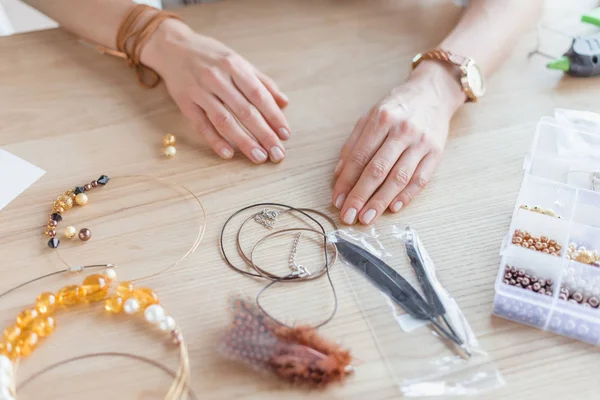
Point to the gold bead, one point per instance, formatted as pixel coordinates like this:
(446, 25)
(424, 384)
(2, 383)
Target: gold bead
(81, 199)
(170, 151)
(125, 289)
(70, 232)
(26, 317)
(9, 350)
(114, 304)
(43, 326)
(59, 210)
(169, 140)
(27, 343)
(46, 303)
(65, 202)
(94, 288)
(69, 295)
(12, 333)
(146, 297)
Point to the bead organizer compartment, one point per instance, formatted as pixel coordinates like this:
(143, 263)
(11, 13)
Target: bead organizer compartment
(556, 206)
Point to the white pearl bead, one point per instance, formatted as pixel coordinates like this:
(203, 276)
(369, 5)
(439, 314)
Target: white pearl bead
(131, 306)
(167, 324)
(111, 274)
(154, 314)
(170, 151)
(5, 362)
(70, 232)
(81, 199)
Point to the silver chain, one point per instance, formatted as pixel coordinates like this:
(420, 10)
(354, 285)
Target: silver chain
(297, 270)
(266, 218)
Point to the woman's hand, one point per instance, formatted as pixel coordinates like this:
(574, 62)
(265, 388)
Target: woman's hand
(393, 150)
(227, 100)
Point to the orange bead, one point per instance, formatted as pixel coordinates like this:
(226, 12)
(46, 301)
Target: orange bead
(94, 288)
(125, 289)
(9, 350)
(43, 326)
(146, 297)
(46, 303)
(114, 304)
(12, 333)
(70, 295)
(26, 317)
(27, 343)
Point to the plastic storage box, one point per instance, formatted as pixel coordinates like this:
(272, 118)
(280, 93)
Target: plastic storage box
(560, 174)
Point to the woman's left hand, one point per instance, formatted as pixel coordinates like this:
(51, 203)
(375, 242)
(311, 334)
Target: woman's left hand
(393, 150)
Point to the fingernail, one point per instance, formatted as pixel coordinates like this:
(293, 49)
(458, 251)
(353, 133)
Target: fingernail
(350, 216)
(397, 206)
(368, 216)
(338, 167)
(339, 202)
(284, 133)
(259, 155)
(276, 154)
(226, 153)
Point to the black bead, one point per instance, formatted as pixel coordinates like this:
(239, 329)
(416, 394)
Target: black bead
(103, 180)
(56, 217)
(79, 189)
(53, 243)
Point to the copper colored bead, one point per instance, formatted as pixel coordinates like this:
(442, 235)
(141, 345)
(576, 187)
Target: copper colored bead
(526, 235)
(543, 239)
(544, 245)
(508, 275)
(52, 223)
(578, 297)
(552, 242)
(535, 239)
(87, 187)
(52, 233)
(558, 247)
(526, 245)
(538, 246)
(552, 249)
(531, 242)
(545, 251)
(85, 234)
(507, 268)
(94, 183)
(518, 233)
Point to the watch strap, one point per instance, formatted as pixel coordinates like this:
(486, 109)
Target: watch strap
(439, 55)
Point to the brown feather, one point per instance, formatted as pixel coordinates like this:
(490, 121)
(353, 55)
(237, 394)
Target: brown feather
(298, 355)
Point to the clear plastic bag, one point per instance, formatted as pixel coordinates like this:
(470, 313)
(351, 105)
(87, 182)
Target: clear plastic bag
(434, 364)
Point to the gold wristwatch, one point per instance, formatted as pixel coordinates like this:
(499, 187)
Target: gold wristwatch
(471, 77)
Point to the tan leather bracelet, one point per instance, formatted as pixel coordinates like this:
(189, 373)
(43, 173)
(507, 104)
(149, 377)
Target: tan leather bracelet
(133, 34)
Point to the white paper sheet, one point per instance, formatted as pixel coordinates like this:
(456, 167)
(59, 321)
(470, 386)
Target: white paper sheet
(16, 175)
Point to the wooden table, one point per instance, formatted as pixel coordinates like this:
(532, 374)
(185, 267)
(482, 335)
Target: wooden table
(78, 114)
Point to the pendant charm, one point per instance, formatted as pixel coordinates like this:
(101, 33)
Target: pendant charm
(267, 218)
(297, 270)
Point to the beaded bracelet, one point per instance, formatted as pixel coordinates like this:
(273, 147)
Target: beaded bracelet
(33, 324)
(78, 196)
(64, 203)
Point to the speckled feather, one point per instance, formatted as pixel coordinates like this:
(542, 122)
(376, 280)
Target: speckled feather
(298, 355)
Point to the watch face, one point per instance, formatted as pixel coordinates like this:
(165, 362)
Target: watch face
(475, 79)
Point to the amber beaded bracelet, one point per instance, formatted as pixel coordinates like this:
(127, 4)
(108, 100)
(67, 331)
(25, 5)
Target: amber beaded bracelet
(35, 323)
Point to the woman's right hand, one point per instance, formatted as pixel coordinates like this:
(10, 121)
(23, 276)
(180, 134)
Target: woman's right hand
(226, 99)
